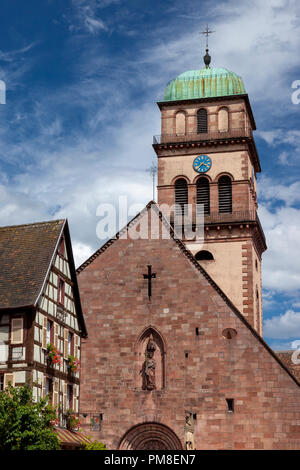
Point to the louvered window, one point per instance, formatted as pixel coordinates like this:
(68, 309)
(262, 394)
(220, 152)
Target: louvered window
(181, 195)
(203, 195)
(202, 121)
(225, 195)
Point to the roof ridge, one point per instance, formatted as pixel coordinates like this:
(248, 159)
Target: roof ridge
(33, 224)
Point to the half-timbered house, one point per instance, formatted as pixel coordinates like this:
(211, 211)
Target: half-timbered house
(41, 321)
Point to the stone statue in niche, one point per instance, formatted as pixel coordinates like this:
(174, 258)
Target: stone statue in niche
(148, 368)
(189, 432)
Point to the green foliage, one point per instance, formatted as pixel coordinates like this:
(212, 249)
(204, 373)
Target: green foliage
(24, 424)
(94, 445)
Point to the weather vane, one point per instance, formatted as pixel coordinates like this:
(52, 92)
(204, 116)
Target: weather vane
(207, 57)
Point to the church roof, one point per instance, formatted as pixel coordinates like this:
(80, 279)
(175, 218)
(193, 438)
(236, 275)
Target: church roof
(204, 83)
(25, 255)
(193, 260)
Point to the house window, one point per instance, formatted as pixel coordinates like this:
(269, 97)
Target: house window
(1, 382)
(49, 388)
(69, 396)
(181, 195)
(49, 337)
(202, 121)
(203, 195)
(61, 292)
(70, 343)
(225, 195)
(61, 248)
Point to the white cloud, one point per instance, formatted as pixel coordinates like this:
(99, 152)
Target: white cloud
(81, 252)
(270, 190)
(283, 326)
(281, 268)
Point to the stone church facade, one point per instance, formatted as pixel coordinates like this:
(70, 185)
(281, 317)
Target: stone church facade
(174, 357)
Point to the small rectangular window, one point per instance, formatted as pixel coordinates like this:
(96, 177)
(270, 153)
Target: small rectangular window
(1, 382)
(61, 248)
(70, 344)
(230, 405)
(61, 292)
(16, 330)
(69, 396)
(49, 336)
(49, 388)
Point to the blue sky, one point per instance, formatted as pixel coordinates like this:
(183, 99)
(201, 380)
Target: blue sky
(83, 78)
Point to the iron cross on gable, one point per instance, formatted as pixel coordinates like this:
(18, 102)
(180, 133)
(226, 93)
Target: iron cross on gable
(149, 276)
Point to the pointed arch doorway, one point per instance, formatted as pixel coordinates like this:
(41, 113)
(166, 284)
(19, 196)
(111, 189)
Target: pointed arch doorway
(150, 436)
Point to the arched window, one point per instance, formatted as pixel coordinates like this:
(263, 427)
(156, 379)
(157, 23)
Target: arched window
(203, 195)
(225, 195)
(223, 120)
(202, 121)
(204, 255)
(181, 195)
(180, 123)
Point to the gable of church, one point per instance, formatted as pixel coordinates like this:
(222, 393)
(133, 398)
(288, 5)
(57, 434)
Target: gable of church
(200, 354)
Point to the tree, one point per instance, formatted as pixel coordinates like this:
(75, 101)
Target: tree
(94, 445)
(24, 424)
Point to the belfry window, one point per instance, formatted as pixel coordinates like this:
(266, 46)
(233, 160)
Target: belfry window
(225, 195)
(202, 121)
(203, 195)
(181, 195)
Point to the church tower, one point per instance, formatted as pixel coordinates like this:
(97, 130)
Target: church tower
(207, 157)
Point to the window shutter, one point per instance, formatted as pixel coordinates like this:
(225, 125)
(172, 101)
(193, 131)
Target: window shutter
(74, 401)
(44, 336)
(44, 387)
(55, 392)
(65, 385)
(76, 346)
(9, 378)
(56, 335)
(66, 334)
(16, 330)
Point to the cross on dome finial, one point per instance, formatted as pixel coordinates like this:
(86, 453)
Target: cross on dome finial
(207, 57)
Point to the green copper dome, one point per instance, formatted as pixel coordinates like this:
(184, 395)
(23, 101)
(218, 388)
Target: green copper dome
(204, 83)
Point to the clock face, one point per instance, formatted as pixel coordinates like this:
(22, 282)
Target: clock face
(202, 164)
